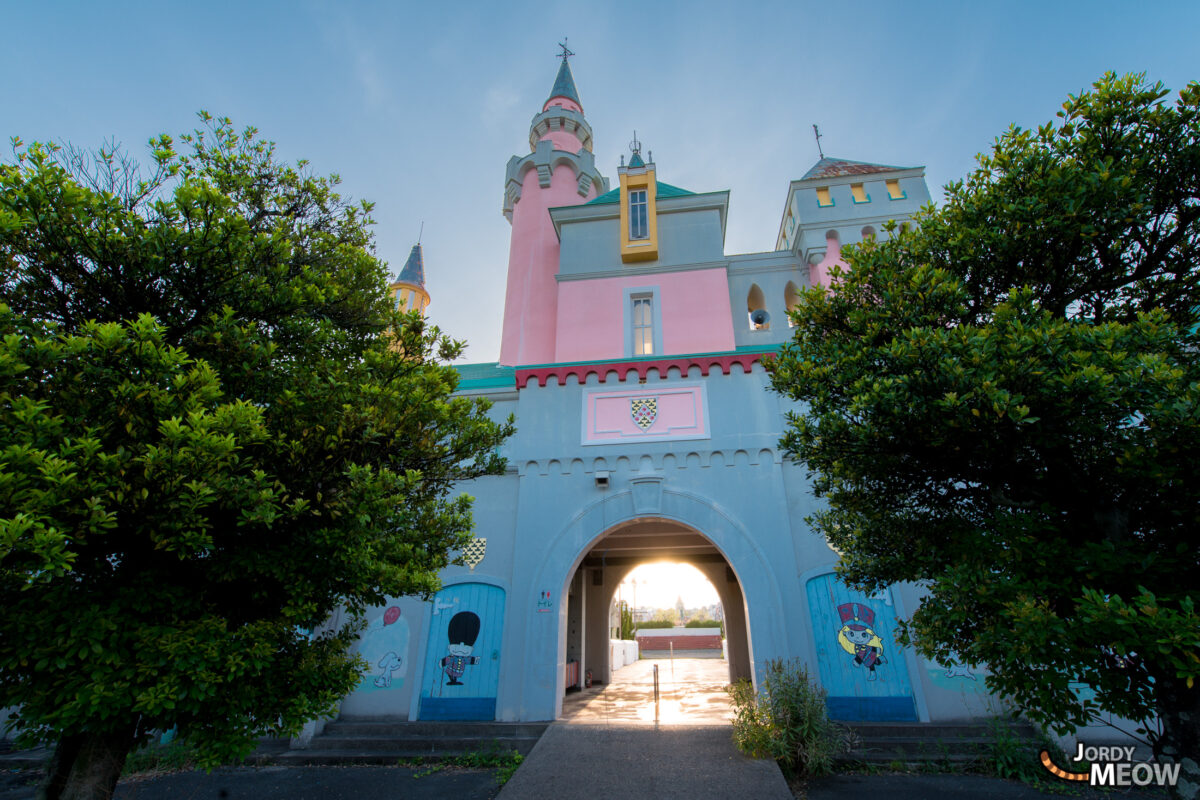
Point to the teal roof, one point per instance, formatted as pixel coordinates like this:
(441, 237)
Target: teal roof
(636, 161)
(564, 84)
(486, 376)
(664, 190)
(414, 268)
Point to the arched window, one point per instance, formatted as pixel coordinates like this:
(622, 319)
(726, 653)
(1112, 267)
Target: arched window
(791, 296)
(868, 232)
(756, 302)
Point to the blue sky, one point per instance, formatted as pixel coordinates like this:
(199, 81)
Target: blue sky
(418, 106)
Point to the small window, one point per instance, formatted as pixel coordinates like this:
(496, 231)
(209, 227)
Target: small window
(859, 193)
(639, 227)
(894, 190)
(791, 223)
(823, 196)
(643, 326)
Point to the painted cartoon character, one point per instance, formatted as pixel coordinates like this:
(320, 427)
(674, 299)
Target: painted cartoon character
(387, 665)
(462, 632)
(858, 638)
(383, 646)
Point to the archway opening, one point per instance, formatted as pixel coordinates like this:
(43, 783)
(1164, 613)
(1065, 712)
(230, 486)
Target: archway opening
(685, 613)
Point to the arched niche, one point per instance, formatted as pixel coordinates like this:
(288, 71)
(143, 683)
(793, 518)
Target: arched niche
(755, 301)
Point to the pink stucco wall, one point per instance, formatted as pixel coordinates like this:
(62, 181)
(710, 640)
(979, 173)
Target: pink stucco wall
(563, 102)
(696, 317)
(819, 273)
(531, 299)
(564, 141)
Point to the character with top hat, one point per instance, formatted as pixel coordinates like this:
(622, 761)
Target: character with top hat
(858, 638)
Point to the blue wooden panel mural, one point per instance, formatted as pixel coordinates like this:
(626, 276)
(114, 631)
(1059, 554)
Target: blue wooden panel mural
(861, 667)
(462, 659)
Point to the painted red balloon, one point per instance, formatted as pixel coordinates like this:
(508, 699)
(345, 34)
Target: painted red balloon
(391, 615)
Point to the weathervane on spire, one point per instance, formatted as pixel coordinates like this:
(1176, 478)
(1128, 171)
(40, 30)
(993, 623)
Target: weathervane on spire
(566, 53)
(817, 133)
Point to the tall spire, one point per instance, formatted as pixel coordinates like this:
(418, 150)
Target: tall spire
(564, 84)
(414, 268)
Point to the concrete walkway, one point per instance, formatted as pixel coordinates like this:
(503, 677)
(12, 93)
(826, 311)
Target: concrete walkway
(608, 743)
(691, 692)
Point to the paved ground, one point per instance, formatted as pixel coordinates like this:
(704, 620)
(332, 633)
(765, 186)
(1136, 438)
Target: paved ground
(608, 744)
(691, 691)
(952, 787)
(633, 760)
(291, 783)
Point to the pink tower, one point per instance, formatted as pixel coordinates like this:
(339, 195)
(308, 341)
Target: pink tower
(560, 170)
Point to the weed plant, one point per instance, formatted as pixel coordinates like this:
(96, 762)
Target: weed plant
(157, 759)
(786, 720)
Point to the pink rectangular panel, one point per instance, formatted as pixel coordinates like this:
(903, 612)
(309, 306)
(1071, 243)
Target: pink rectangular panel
(679, 411)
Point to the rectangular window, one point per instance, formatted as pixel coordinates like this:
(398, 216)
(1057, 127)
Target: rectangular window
(643, 326)
(791, 223)
(894, 190)
(859, 194)
(639, 227)
(823, 197)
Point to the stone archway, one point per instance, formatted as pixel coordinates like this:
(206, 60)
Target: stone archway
(609, 561)
(542, 684)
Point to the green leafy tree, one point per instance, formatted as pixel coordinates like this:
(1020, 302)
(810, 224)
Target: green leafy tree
(1004, 405)
(214, 433)
(626, 621)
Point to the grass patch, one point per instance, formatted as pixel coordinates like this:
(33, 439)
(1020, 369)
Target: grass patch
(158, 759)
(505, 762)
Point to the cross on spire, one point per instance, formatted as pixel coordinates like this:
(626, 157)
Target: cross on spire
(566, 52)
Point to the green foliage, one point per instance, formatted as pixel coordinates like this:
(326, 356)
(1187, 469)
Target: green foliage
(175, 756)
(215, 433)
(1015, 758)
(626, 614)
(1004, 405)
(657, 624)
(505, 762)
(703, 623)
(667, 615)
(786, 720)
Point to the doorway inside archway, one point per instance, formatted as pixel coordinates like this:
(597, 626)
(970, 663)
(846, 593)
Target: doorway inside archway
(660, 576)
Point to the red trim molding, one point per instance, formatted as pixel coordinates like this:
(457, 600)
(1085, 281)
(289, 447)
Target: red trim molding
(640, 366)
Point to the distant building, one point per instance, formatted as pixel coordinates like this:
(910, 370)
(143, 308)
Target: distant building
(646, 429)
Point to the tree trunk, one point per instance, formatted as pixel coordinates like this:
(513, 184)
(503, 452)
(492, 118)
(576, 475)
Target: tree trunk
(1179, 714)
(87, 766)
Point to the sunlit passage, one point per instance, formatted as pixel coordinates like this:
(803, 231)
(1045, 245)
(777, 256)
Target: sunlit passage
(691, 691)
(655, 629)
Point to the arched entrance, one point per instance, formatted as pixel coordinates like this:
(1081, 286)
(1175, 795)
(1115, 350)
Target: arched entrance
(606, 564)
(542, 682)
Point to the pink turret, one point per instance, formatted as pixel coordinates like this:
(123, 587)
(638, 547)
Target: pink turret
(559, 171)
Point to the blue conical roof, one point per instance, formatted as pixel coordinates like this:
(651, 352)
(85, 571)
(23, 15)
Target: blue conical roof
(564, 84)
(414, 268)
